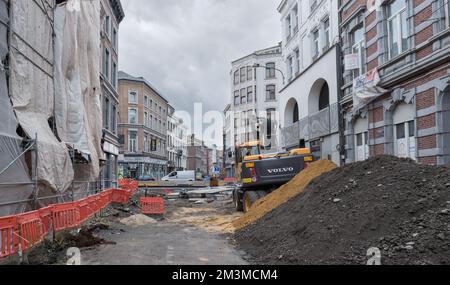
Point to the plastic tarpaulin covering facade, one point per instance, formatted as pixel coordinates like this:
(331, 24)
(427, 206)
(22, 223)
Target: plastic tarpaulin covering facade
(77, 81)
(32, 89)
(9, 141)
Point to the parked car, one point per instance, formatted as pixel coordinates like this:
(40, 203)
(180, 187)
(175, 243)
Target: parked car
(146, 178)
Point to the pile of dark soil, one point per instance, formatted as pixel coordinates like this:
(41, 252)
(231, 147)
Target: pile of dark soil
(51, 252)
(393, 204)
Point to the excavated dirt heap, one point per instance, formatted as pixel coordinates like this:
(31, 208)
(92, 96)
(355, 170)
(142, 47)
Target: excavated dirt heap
(393, 204)
(284, 193)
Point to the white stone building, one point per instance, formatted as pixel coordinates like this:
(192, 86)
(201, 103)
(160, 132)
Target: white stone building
(255, 82)
(309, 100)
(176, 142)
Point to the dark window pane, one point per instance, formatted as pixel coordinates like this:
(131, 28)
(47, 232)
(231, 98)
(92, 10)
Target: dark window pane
(400, 131)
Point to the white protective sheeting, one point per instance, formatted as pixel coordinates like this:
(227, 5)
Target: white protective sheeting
(32, 90)
(77, 81)
(10, 149)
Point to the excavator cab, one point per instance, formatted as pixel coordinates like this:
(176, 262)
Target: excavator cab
(245, 152)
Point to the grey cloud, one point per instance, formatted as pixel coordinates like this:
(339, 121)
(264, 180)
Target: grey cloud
(185, 47)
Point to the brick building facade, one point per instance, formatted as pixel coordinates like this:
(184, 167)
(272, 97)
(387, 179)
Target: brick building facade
(406, 44)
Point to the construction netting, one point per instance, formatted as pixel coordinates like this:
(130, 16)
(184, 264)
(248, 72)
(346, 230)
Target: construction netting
(53, 96)
(10, 142)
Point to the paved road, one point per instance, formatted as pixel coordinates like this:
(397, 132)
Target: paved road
(163, 243)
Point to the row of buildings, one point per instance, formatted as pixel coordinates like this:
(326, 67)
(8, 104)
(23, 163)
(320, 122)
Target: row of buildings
(142, 137)
(152, 140)
(361, 78)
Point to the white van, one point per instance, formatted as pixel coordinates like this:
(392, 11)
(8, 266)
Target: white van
(180, 177)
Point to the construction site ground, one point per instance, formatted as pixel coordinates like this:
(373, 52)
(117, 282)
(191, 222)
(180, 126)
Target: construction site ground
(188, 234)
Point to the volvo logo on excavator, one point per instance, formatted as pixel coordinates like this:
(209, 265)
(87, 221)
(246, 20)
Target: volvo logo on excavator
(280, 170)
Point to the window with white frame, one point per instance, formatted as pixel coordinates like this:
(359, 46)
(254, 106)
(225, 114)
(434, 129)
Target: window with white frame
(297, 61)
(114, 75)
(270, 70)
(250, 94)
(295, 18)
(146, 143)
(359, 48)
(288, 27)
(249, 73)
(243, 74)
(146, 119)
(132, 116)
(106, 60)
(270, 93)
(114, 39)
(315, 44)
(326, 29)
(106, 24)
(236, 98)
(132, 141)
(236, 77)
(243, 96)
(290, 63)
(397, 27)
(146, 101)
(132, 97)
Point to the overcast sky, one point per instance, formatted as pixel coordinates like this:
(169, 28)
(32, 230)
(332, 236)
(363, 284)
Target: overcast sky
(185, 47)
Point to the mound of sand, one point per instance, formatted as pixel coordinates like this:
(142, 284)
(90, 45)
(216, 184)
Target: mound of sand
(208, 219)
(392, 204)
(284, 193)
(138, 220)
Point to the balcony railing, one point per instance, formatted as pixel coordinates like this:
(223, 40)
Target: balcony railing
(317, 125)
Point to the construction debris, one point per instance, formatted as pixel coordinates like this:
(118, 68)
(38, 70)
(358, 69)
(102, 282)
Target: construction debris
(138, 220)
(284, 193)
(391, 204)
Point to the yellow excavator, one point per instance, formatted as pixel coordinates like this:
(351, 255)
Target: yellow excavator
(259, 174)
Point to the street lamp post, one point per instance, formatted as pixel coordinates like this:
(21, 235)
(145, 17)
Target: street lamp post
(257, 65)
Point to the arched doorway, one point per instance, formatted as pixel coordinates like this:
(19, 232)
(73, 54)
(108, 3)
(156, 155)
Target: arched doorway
(291, 113)
(319, 96)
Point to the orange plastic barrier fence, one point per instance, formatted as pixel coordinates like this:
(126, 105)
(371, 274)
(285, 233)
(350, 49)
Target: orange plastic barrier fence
(8, 238)
(46, 218)
(120, 196)
(29, 229)
(152, 206)
(65, 216)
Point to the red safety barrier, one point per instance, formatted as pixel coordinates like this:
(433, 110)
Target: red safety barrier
(105, 199)
(152, 205)
(46, 219)
(85, 211)
(8, 236)
(31, 231)
(120, 196)
(65, 216)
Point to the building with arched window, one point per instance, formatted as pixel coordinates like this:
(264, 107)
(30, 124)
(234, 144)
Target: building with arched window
(309, 98)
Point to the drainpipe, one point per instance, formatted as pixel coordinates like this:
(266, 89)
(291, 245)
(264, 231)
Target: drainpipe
(340, 82)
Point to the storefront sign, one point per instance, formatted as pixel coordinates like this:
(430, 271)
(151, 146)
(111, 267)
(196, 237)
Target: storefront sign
(147, 160)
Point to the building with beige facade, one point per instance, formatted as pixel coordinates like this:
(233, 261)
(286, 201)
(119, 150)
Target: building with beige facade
(142, 128)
